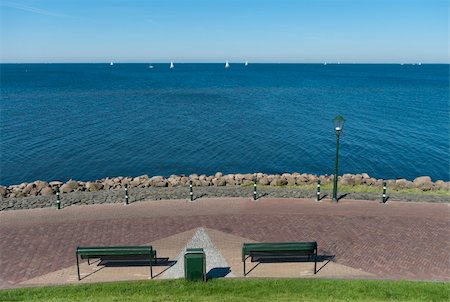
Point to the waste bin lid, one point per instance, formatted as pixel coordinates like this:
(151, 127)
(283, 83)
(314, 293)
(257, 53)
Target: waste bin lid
(194, 250)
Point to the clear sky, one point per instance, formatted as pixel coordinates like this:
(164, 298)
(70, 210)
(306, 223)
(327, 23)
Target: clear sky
(344, 31)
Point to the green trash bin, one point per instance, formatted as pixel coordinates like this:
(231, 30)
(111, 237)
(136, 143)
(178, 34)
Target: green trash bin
(195, 264)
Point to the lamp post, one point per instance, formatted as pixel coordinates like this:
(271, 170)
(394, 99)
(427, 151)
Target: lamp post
(338, 123)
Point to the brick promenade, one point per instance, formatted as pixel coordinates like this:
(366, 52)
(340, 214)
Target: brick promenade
(397, 240)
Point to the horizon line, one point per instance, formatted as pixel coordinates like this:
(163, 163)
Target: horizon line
(237, 62)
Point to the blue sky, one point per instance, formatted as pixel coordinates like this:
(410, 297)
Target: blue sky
(344, 31)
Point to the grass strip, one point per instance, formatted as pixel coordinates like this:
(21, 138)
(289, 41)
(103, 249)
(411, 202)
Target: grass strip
(238, 290)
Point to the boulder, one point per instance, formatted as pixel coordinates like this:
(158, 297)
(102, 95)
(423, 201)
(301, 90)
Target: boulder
(218, 175)
(39, 185)
(263, 181)
(157, 181)
(162, 183)
(229, 179)
(28, 188)
(173, 181)
(56, 183)
(238, 179)
(135, 182)
(347, 179)
(219, 182)
(72, 184)
(422, 180)
(126, 181)
(403, 184)
(370, 181)
(365, 176)
(358, 179)
(278, 181)
(442, 185)
(92, 186)
(46, 191)
(291, 180)
(3, 191)
(424, 183)
(66, 188)
(325, 179)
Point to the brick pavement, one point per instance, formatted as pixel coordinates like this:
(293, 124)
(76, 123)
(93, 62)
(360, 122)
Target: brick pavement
(396, 240)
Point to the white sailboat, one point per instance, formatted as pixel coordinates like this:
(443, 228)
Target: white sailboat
(111, 63)
(246, 63)
(226, 64)
(171, 65)
(325, 63)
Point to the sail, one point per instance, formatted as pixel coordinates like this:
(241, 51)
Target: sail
(246, 63)
(226, 64)
(171, 65)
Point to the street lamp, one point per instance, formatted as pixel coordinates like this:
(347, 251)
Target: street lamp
(338, 123)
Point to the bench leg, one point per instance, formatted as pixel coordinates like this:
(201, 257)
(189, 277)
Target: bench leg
(89, 262)
(244, 267)
(78, 267)
(315, 263)
(151, 269)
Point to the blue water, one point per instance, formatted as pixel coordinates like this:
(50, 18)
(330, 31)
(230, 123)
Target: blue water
(88, 121)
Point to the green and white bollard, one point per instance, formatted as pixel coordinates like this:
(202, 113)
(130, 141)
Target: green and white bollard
(191, 194)
(254, 190)
(126, 194)
(383, 197)
(58, 199)
(318, 190)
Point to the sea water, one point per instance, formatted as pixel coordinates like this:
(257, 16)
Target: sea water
(89, 121)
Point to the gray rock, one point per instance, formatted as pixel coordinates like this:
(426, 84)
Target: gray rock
(47, 191)
(28, 188)
(278, 181)
(263, 181)
(3, 191)
(69, 186)
(92, 186)
(403, 184)
(155, 180)
(424, 183)
(219, 182)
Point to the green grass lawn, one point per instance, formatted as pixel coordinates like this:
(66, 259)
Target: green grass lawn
(238, 290)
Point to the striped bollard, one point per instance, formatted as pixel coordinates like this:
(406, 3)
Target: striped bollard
(58, 199)
(191, 194)
(126, 194)
(254, 190)
(318, 190)
(383, 197)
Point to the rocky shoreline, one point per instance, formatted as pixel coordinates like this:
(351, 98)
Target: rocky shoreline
(110, 190)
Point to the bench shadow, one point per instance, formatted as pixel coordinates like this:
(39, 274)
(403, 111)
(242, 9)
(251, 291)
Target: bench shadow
(119, 263)
(325, 259)
(218, 272)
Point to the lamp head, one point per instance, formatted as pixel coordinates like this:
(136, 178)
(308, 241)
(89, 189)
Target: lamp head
(338, 123)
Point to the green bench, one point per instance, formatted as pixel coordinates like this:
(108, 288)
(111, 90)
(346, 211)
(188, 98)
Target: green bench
(279, 250)
(124, 253)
